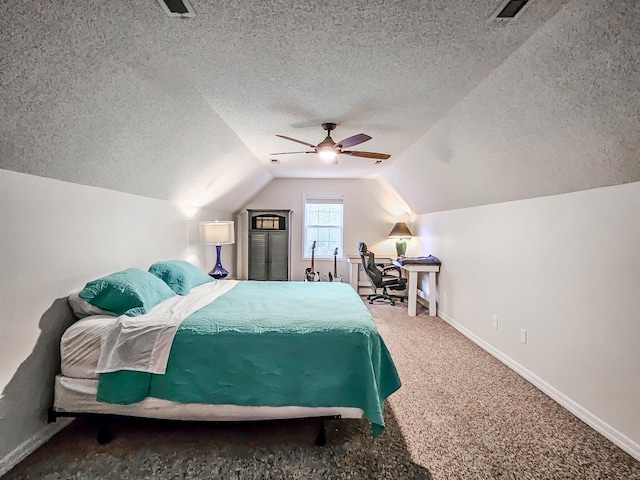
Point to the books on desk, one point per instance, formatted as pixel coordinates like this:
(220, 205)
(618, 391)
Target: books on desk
(428, 260)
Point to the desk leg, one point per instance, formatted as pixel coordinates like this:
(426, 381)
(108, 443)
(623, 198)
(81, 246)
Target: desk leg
(432, 294)
(413, 293)
(353, 276)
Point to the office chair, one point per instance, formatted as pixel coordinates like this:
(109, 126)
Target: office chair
(381, 278)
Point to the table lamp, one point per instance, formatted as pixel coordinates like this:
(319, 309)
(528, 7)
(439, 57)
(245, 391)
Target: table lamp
(401, 232)
(217, 233)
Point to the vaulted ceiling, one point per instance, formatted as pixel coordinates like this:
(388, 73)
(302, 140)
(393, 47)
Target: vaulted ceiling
(472, 111)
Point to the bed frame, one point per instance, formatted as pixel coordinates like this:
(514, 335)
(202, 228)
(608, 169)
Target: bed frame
(77, 398)
(103, 423)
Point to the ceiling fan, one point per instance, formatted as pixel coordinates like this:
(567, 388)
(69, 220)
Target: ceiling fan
(328, 150)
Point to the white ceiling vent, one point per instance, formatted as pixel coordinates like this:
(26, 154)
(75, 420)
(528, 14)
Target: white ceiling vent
(177, 8)
(509, 10)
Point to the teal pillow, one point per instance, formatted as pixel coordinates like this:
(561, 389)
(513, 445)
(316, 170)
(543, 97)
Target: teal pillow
(130, 292)
(181, 276)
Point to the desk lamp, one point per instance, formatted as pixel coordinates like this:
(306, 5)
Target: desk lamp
(217, 233)
(401, 232)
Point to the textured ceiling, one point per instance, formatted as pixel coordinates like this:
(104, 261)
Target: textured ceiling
(562, 114)
(118, 95)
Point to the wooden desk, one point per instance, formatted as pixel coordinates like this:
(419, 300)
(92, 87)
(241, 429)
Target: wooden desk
(413, 270)
(354, 270)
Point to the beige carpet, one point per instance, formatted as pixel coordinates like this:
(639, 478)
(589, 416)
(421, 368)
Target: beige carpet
(465, 415)
(460, 414)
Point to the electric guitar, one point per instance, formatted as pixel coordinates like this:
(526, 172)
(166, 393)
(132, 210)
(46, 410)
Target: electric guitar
(310, 275)
(334, 277)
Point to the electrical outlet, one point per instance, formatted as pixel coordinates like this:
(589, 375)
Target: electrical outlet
(495, 321)
(523, 336)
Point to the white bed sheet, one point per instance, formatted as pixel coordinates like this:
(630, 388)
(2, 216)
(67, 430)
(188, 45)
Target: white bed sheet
(143, 343)
(73, 395)
(80, 346)
(102, 343)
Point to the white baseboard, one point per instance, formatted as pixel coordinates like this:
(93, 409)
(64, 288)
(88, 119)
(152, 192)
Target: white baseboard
(621, 440)
(422, 298)
(30, 445)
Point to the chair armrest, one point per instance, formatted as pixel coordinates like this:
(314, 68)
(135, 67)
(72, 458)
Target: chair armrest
(387, 270)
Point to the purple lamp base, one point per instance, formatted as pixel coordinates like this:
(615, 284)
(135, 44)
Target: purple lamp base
(218, 271)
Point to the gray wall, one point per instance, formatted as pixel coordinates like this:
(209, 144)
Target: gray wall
(565, 268)
(370, 211)
(57, 236)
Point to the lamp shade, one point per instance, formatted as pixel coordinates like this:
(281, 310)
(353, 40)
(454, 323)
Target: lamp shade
(400, 230)
(217, 233)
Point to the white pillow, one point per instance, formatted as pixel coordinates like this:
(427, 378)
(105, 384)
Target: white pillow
(81, 308)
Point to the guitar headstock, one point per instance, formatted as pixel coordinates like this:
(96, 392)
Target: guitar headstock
(335, 252)
(313, 247)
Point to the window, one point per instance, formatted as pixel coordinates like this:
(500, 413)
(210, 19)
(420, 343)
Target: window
(323, 218)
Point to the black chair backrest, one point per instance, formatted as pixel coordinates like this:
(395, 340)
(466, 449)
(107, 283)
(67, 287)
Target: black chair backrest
(369, 264)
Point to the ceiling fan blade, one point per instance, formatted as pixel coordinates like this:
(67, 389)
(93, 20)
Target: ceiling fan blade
(288, 153)
(297, 141)
(377, 156)
(354, 140)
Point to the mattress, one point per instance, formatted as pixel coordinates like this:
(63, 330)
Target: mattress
(73, 395)
(80, 346)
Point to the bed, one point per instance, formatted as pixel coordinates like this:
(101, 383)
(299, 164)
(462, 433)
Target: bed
(223, 350)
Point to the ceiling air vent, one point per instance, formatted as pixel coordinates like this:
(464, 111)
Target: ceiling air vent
(177, 8)
(509, 10)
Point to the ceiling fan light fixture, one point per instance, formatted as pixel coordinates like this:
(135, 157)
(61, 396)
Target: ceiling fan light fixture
(327, 143)
(329, 155)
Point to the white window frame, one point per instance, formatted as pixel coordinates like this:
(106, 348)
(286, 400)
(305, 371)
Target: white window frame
(321, 199)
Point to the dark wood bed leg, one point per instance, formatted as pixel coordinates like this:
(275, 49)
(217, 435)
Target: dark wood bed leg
(321, 438)
(51, 415)
(105, 434)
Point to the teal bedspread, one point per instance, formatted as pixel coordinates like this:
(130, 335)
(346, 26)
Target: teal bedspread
(272, 344)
